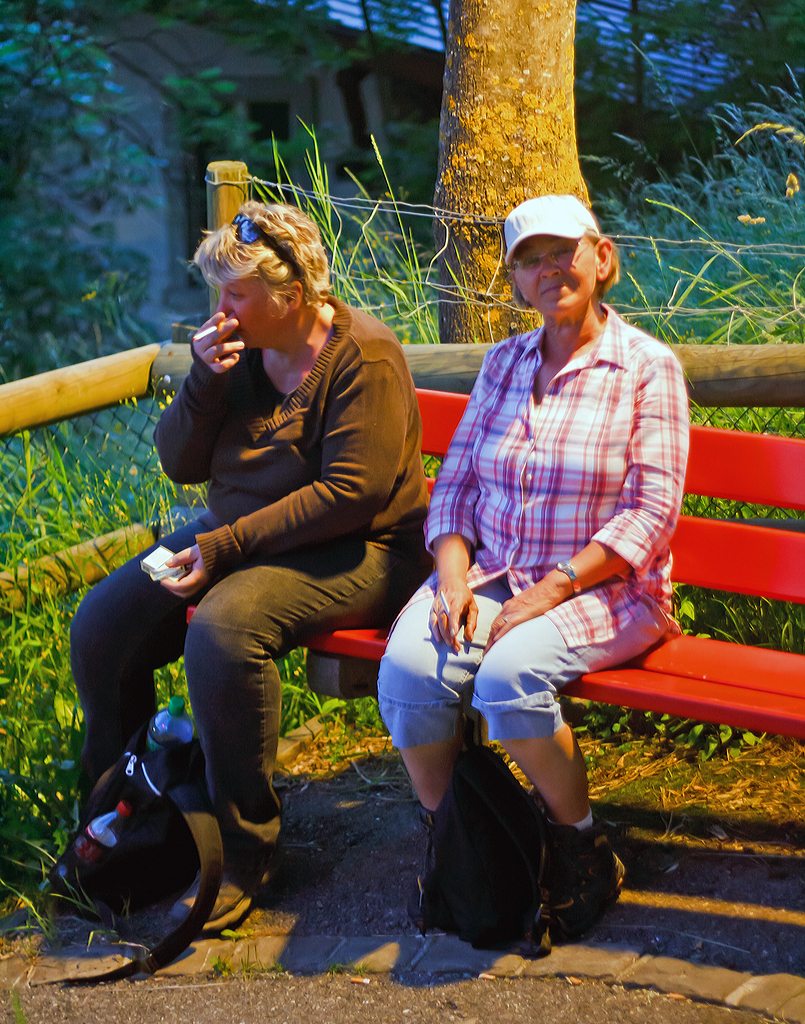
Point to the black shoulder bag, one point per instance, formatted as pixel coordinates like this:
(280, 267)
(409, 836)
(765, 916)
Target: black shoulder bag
(170, 835)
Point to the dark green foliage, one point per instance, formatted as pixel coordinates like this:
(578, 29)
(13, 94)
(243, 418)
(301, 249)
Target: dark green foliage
(65, 292)
(699, 741)
(648, 78)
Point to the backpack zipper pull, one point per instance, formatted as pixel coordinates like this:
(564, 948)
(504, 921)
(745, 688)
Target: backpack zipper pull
(131, 765)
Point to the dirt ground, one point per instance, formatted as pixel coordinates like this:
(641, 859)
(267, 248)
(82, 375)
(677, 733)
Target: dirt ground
(715, 852)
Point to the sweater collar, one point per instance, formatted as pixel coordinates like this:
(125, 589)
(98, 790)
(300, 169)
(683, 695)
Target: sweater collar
(257, 425)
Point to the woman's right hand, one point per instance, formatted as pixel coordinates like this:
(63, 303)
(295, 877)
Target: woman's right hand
(196, 578)
(213, 346)
(453, 604)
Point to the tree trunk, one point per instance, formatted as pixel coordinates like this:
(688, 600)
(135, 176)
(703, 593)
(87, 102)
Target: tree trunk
(507, 133)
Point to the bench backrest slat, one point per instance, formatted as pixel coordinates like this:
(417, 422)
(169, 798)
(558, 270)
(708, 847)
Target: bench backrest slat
(756, 468)
(740, 558)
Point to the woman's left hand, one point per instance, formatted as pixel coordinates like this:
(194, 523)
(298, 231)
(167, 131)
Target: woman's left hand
(547, 593)
(197, 578)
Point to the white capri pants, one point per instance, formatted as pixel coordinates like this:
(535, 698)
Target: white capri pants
(421, 681)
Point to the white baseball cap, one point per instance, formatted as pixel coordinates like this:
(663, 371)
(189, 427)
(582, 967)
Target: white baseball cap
(562, 216)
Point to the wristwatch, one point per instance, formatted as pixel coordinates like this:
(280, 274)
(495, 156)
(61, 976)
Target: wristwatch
(570, 572)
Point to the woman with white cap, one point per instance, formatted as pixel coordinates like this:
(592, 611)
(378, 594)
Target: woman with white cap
(550, 524)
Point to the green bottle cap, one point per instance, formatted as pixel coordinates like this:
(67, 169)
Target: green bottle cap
(176, 706)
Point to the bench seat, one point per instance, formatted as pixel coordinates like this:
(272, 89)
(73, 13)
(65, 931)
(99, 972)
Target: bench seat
(709, 680)
(688, 676)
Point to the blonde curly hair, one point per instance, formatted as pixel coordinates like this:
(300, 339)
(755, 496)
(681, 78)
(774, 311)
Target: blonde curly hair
(289, 250)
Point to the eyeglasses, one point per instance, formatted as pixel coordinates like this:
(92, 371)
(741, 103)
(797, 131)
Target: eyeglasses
(560, 255)
(247, 231)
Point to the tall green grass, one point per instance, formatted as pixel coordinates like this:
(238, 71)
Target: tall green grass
(377, 259)
(715, 254)
(62, 487)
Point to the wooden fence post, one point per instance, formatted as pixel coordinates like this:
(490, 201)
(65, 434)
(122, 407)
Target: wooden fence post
(227, 188)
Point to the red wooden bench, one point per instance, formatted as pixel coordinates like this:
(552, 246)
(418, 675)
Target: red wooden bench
(709, 680)
(693, 677)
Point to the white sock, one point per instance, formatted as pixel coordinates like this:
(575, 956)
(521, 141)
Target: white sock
(586, 822)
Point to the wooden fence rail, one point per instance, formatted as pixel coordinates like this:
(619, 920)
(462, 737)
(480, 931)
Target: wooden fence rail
(63, 572)
(76, 390)
(718, 376)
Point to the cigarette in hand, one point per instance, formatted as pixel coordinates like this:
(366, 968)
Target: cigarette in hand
(445, 605)
(204, 334)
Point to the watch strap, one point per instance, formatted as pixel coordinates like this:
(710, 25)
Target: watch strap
(570, 572)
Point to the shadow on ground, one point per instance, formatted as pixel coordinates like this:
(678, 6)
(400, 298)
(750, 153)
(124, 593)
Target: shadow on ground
(352, 852)
(715, 876)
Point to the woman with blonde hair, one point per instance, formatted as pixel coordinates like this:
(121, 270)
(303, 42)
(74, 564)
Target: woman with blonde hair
(300, 414)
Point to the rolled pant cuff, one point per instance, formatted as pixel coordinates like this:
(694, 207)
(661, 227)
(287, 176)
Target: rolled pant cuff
(418, 724)
(523, 723)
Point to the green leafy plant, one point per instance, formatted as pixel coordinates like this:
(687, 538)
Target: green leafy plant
(252, 967)
(699, 740)
(336, 969)
(222, 966)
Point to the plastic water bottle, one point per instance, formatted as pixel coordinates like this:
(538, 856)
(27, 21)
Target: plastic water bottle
(101, 833)
(170, 726)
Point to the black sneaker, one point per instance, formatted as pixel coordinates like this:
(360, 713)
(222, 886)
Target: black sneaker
(585, 877)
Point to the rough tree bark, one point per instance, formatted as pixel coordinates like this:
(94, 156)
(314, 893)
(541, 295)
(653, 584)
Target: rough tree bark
(507, 133)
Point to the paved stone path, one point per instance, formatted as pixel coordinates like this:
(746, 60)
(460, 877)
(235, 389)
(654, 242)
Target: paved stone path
(442, 958)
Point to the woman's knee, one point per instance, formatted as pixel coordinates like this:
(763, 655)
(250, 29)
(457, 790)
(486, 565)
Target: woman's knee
(229, 651)
(83, 628)
(94, 637)
(215, 649)
(516, 689)
(419, 685)
(235, 691)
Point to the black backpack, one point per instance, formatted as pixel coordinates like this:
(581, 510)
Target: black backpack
(487, 857)
(170, 835)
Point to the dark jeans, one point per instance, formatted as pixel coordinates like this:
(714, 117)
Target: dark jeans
(127, 626)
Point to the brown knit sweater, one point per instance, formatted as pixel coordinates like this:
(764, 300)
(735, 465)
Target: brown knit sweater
(339, 456)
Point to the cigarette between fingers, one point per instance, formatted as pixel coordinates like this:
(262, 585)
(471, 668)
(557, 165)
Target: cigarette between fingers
(203, 334)
(445, 605)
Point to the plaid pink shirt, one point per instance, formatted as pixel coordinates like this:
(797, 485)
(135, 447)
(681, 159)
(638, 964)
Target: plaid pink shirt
(602, 457)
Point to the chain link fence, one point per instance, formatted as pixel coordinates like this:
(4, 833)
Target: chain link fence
(81, 478)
